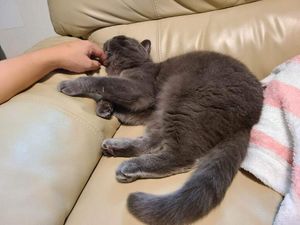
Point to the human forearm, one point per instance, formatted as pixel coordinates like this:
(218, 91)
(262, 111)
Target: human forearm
(21, 72)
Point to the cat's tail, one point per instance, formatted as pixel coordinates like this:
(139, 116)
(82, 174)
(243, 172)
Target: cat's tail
(201, 193)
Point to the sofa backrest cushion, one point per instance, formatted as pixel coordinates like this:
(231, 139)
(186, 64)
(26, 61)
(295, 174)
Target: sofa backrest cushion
(80, 17)
(262, 34)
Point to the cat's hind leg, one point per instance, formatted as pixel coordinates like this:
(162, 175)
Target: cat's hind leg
(155, 165)
(130, 147)
(126, 147)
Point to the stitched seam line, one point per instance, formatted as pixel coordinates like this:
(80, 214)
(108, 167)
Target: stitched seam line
(158, 40)
(155, 9)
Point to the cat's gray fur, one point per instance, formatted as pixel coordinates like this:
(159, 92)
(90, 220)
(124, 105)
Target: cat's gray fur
(198, 109)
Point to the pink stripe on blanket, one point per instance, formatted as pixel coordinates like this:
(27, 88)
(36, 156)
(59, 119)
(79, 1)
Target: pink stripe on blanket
(263, 140)
(277, 92)
(296, 59)
(296, 180)
(271, 95)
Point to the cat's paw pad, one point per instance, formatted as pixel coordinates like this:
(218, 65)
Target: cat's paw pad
(104, 110)
(128, 172)
(69, 87)
(105, 115)
(107, 148)
(116, 147)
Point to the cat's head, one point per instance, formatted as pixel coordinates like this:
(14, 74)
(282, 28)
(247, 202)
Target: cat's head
(125, 53)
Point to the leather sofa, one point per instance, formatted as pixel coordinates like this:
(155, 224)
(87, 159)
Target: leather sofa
(51, 168)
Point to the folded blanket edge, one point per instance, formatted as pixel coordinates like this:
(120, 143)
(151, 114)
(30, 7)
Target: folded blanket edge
(264, 160)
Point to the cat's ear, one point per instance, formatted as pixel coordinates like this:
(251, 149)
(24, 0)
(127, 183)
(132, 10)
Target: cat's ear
(147, 45)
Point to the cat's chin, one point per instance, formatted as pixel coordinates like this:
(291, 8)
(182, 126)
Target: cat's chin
(105, 63)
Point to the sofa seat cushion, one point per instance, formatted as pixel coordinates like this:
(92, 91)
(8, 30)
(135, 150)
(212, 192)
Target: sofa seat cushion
(50, 144)
(103, 201)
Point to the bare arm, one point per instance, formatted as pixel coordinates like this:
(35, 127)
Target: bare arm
(19, 73)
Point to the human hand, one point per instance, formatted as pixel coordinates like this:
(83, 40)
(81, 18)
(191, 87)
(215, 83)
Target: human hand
(79, 56)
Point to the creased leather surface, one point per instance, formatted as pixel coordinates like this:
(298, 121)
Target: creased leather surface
(49, 146)
(261, 34)
(103, 200)
(81, 17)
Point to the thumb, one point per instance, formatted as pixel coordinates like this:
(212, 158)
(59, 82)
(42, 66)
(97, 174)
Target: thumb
(94, 65)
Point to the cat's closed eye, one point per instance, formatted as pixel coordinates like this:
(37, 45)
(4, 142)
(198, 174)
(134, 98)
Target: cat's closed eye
(108, 53)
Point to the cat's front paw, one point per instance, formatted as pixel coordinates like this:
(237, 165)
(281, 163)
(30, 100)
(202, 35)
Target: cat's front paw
(69, 87)
(128, 172)
(104, 109)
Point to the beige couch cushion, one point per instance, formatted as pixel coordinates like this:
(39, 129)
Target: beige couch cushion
(81, 17)
(50, 144)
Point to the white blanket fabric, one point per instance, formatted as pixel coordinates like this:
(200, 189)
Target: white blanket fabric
(274, 149)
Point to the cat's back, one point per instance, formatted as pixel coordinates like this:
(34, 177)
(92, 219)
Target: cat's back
(209, 81)
(201, 62)
(206, 68)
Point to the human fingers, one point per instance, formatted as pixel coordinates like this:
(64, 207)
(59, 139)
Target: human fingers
(94, 65)
(97, 52)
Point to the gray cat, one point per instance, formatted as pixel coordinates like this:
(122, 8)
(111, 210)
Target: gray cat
(198, 109)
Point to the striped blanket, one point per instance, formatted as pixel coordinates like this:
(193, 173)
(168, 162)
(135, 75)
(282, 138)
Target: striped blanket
(274, 149)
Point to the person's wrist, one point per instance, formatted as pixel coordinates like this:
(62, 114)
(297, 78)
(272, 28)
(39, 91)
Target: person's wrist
(55, 58)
